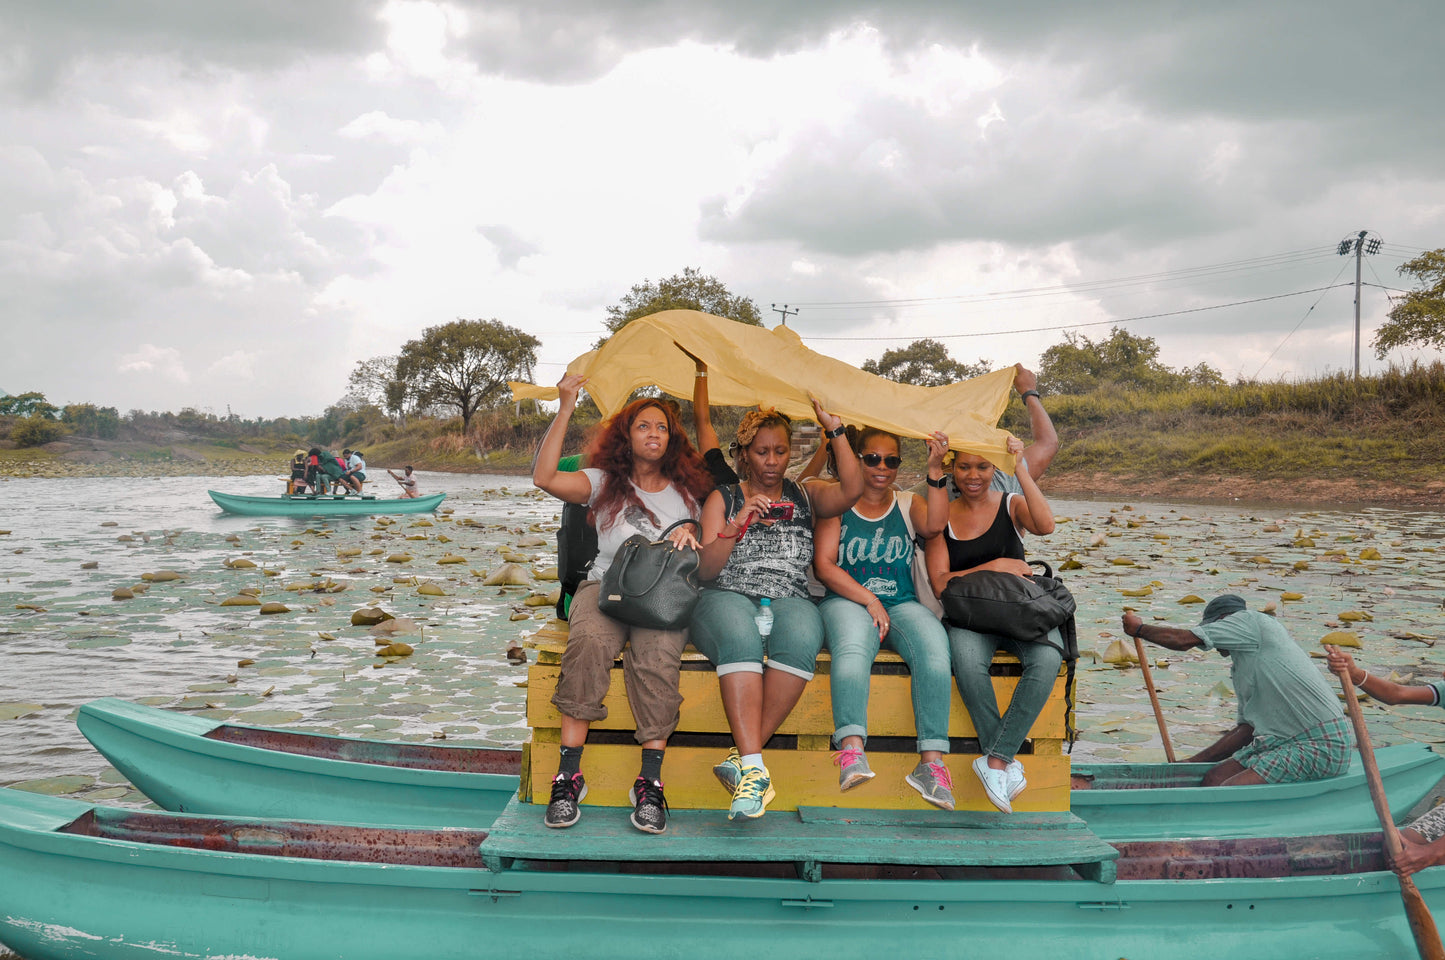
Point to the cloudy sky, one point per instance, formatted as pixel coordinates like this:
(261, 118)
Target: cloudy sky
(226, 206)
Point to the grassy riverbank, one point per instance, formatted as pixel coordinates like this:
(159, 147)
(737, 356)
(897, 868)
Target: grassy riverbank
(1332, 439)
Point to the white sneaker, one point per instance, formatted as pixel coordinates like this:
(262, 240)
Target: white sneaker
(1016, 781)
(995, 784)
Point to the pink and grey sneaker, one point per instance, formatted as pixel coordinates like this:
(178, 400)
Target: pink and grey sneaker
(852, 768)
(934, 782)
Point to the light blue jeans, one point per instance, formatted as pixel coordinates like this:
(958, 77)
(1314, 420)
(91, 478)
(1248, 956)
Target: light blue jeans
(917, 635)
(723, 630)
(972, 653)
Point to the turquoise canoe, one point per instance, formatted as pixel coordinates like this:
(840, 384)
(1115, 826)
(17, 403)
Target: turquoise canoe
(191, 764)
(77, 880)
(318, 505)
(205, 766)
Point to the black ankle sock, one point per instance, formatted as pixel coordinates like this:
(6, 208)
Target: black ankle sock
(571, 761)
(651, 764)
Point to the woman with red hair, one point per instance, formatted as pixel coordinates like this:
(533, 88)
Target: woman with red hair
(643, 476)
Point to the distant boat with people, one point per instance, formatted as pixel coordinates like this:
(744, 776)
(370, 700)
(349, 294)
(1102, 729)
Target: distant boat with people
(322, 504)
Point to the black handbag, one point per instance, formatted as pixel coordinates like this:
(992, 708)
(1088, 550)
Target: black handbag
(651, 583)
(1023, 609)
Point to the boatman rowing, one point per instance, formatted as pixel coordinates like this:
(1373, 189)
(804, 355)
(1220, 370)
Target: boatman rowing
(1290, 724)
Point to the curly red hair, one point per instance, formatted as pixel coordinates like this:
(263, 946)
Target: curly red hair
(611, 452)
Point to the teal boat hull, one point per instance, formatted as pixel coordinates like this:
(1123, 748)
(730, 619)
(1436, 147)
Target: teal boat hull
(179, 762)
(191, 764)
(77, 881)
(322, 506)
(1151, 801)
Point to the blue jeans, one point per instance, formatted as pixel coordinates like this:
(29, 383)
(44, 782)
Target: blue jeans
(723, 630)
(917, 636)
(972, 653)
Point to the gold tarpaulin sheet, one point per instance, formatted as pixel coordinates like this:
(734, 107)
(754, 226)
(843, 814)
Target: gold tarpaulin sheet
(748, 365)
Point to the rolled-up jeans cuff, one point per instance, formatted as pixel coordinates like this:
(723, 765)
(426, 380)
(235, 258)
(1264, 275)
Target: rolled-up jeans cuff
(926, 745)
(775, 665)
(746, 666)
(850, 730)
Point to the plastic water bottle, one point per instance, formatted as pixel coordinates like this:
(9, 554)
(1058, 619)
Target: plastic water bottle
(764, 617)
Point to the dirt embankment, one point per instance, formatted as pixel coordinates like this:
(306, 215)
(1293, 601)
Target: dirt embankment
(1082, 485)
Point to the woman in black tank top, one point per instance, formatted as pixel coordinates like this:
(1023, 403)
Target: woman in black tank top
(983, 533)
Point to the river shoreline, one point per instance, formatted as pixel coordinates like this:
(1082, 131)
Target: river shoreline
(1076, 485)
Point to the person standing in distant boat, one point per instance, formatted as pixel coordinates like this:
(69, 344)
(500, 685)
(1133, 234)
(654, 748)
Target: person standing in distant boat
(1290, 724)
(1423, 839)
(409, 488)
(643, 476)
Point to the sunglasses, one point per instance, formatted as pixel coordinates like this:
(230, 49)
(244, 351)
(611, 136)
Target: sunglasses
(873, 459)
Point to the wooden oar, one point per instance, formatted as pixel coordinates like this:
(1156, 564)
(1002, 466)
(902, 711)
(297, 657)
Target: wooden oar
(1422, 924)
(1154, 699)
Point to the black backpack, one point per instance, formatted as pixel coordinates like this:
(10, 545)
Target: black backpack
(576, 549)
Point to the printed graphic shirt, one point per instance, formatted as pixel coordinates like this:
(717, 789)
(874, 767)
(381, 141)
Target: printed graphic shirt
(878, 554)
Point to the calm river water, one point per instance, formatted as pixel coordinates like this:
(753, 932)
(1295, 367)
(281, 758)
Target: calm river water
(66, 641)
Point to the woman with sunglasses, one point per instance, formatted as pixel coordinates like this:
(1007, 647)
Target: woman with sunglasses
(865, 559)
(985, 531)
(757, 538)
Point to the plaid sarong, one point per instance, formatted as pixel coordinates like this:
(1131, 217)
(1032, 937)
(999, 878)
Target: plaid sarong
(1431, 825)
(1319, 752)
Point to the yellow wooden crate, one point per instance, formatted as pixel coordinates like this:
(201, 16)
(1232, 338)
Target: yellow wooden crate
(890, 706)
(806, 777)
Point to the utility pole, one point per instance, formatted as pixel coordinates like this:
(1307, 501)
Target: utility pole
(784, 312)
(1359, 246)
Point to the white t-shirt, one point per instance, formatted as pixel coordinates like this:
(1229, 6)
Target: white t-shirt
(667, 505)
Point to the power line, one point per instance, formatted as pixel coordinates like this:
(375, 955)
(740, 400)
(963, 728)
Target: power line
(1093, 323)
(1187, 273)
(1302, 319)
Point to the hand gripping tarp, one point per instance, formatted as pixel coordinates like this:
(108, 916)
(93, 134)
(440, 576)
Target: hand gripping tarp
(749, 365)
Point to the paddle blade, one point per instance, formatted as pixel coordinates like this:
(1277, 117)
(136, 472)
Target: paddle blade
(1422, 924)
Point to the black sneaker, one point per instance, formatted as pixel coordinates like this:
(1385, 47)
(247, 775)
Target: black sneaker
(649, 806)
(565, 807)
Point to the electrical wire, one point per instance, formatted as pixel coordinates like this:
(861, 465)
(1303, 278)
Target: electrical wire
(1333, 284)
(1091, 323)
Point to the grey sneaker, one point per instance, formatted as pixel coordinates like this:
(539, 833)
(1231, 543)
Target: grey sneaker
(852, 768)
(995, 784)
(1016, 781)
(934, 782)
(729, 773)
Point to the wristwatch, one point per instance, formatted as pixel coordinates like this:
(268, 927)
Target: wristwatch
(940, 483)
(1030, 393)
(836, 432)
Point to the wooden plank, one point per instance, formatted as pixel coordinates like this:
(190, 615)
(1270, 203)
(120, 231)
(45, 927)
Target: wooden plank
(890, 706)
(806, 777)
(780, 836)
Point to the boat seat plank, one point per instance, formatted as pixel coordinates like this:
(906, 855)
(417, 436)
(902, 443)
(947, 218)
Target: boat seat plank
(805, 840)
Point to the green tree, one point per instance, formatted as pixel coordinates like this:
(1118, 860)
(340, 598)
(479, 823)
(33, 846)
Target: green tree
(924, 363)
(88, 420)
(35, 430)
(30, 404)
(689, 290)
(466, 364)
(1080, 365)
(1420, 317)
(374, 382)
